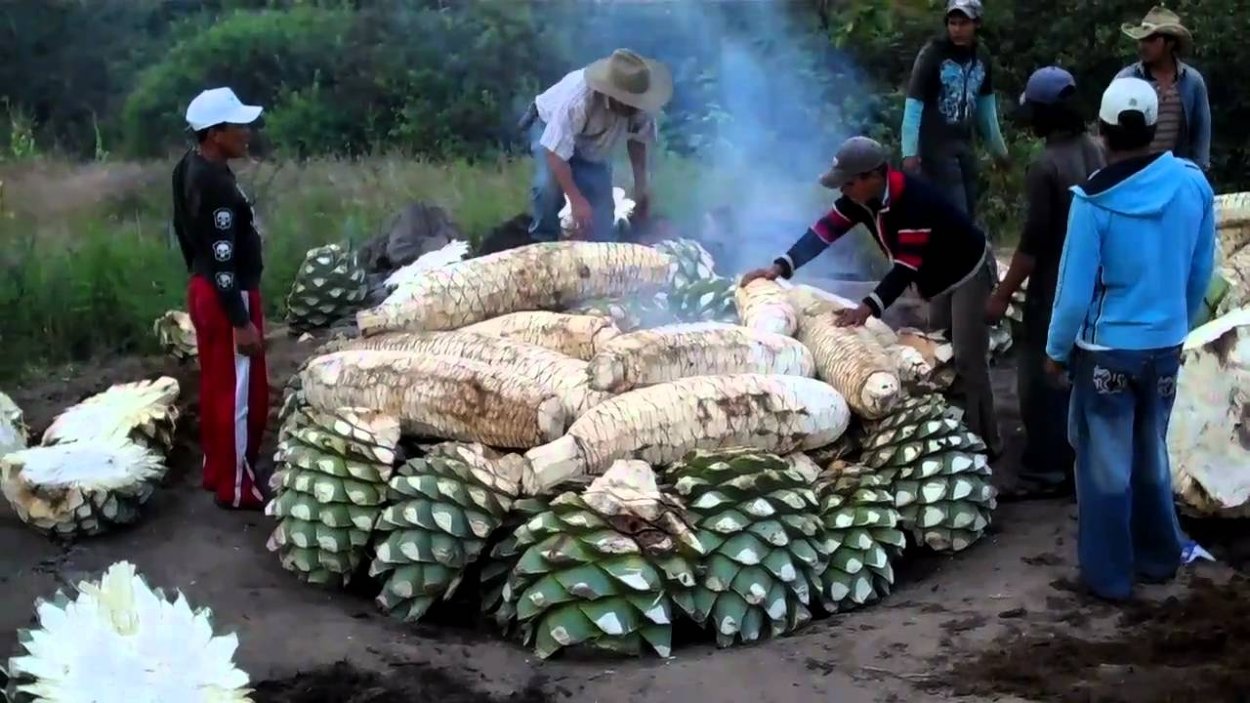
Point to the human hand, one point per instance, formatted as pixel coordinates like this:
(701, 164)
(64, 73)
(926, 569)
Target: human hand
(769, 273)
(911, 164)
(853, 317)
(996, 308)
(248, 341)
(642, 205)
(1057, 373)
(583, 215)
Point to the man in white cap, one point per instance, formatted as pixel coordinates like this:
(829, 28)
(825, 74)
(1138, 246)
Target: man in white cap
(574, 127)
(1136, 263)
(1184, 110)
(222, 249)
(950, 95)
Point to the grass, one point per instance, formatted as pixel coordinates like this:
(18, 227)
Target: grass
(88, 260)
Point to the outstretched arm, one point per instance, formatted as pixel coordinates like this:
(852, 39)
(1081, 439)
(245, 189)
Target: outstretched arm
(1037, 227)
(827, 230)
(907, 261)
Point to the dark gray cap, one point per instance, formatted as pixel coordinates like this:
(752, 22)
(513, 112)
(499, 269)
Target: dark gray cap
(856, 155)
(969, 8)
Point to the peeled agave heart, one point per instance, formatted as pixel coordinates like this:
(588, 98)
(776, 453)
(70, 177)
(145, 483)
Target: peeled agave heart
(145, 408)
(628, 495)
(12, 426)
(622, 210)
(1208, 445)
(175, 334)
(78, 487)
(119, 641)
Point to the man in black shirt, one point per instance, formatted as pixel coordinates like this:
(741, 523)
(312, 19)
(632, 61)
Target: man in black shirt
(1069, 158)
(222, 249)
(950, 96)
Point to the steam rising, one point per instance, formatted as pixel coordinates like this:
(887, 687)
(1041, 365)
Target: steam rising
(770, 85)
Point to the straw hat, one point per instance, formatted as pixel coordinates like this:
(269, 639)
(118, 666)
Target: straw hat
(631, 79)
(1160, 20)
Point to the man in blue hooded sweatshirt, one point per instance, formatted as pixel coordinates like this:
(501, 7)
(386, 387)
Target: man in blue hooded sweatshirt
(1136, 262)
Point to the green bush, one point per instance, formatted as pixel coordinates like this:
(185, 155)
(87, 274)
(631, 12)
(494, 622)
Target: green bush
(255, 53)
(423, 81)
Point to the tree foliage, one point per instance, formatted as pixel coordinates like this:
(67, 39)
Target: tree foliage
(443, 77)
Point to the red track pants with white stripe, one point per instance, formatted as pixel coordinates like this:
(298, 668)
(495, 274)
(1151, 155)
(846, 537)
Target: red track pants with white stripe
(234, 397)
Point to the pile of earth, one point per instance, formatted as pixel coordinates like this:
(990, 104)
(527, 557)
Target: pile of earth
(1178, 649)
(407, 683)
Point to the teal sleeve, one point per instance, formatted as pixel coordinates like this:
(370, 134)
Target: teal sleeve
(987, 120)
(912, 110)
(1078, 270)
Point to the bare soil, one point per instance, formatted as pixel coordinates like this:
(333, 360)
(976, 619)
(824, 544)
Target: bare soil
(1000, 621)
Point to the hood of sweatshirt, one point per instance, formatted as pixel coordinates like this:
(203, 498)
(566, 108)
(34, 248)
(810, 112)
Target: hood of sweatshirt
(1139, 187)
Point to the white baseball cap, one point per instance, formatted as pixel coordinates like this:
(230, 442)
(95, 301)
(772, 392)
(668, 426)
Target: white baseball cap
(219, 106)
(1129, 95)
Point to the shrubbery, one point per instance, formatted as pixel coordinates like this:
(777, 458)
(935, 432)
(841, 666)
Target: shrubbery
(439, 78)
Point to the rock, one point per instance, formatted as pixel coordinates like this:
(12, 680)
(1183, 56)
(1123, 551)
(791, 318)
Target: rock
(413, 231)
(509, 235)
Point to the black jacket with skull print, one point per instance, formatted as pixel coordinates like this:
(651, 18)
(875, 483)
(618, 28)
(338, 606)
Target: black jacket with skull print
(216, 231)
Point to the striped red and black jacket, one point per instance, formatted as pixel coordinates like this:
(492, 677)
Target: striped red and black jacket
(929, 241)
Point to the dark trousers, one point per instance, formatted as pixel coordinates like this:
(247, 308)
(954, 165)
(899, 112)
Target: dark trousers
(962, 311)
(1048, 458)
(955, 175)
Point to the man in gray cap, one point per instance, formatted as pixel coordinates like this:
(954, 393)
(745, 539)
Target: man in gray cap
(1068, 159)
(931, 244)
(949, 96)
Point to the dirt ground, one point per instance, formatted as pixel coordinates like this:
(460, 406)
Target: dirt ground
(1001, 621)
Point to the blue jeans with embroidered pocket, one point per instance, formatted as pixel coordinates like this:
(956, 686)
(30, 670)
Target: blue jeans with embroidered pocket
(1118, 425)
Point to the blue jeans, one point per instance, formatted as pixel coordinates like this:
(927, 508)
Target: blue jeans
(593, 179)
(1118, 423)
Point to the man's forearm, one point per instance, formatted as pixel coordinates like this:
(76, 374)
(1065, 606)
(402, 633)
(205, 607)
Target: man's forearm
(1021, 268)
(638, 160)
(563, 174)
